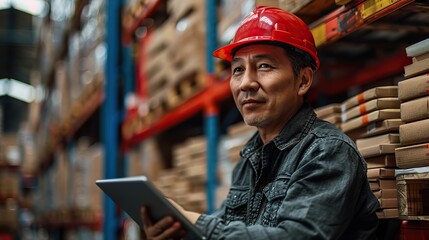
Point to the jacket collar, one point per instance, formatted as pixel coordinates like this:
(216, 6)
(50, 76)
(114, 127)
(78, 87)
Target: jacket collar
(294, 130)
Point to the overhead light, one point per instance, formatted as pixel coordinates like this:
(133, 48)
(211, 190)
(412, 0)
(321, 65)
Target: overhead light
(33, 7)
(4, 4)
(17, 89)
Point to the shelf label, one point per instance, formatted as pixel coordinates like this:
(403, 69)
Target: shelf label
(319, 34)
(370, 7)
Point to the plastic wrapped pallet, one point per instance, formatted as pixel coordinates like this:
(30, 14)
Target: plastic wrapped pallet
(413, 192)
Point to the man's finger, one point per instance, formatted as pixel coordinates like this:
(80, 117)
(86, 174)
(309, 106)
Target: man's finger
(174, 231)
(147, 221)
(161, 226)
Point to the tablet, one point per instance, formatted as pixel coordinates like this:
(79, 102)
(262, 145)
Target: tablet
(131, 193)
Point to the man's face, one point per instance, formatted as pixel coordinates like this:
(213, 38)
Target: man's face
(264, 87)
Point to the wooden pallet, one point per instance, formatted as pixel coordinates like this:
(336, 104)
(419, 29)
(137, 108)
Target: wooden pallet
(158, 104)
(187, 86)
(180, 9)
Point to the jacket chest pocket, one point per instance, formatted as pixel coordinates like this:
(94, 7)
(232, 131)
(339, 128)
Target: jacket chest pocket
(236, 204)
(274, 192)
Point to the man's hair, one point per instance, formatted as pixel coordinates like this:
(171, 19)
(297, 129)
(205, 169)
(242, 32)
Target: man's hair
(298, 58)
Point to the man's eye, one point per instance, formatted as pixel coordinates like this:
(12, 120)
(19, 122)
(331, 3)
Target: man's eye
(264, 65)
(237, 70)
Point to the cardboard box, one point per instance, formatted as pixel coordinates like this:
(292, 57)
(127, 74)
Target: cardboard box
(388, 202)
(371, 117)
(370, 106)
(386, 193)
(415, 110)
(382, 161)
(386, 173)
(413, 88)
(160, 40)
(179, 9)
(412, 156)
(414, 132)
(387, 213)
(413, 195)
(379, 149)
(376, 140)
(334, 119)
(416, 68)
(377, 92)
(328, 110)
(377, 184)
(376, 128)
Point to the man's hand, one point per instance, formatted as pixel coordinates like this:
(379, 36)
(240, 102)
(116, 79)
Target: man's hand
(191, 216)
(166, 228)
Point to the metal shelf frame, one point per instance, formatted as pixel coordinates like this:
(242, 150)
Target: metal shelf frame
(110, 117)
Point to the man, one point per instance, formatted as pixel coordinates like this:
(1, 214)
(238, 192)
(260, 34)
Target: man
(299, 177)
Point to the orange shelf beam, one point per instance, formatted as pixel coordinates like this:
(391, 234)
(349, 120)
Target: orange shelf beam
(349, 18)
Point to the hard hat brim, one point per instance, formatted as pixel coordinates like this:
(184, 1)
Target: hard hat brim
(226, 51)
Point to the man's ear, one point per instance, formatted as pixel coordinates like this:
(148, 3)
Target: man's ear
(306, 79)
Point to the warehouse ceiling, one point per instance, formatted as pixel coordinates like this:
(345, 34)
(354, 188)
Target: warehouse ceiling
(18, 52)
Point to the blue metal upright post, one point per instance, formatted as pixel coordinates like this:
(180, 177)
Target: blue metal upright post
(110, 116)
(128, 69)
(211, 112)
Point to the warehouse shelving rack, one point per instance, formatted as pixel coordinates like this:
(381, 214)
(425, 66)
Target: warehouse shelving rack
(328, 31)
(62, 132)
(205, 101)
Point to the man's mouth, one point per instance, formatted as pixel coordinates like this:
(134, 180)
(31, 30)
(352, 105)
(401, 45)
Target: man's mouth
(250, 101)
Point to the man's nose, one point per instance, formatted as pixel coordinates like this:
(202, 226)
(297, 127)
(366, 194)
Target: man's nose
(249, 81)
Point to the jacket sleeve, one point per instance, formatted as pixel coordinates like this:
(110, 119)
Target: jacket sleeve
(319, 202)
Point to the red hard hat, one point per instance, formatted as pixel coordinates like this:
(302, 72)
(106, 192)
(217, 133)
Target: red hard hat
(271, 24)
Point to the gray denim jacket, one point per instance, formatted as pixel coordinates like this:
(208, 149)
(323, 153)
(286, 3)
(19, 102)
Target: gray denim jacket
(309, 182)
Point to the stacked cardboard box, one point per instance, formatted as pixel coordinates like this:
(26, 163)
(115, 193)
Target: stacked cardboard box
(383, 185)
(86, 168)
(420, 56)
(413, 193)
(172, 70)
(372, 119)
(413, 155)
(414, 133)
(185, 182)
(188, 60)
(372, 112)
(379, 154)
(66, 191)
(330, 113)
(414, 96)
(145, 159)
(158, 67)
